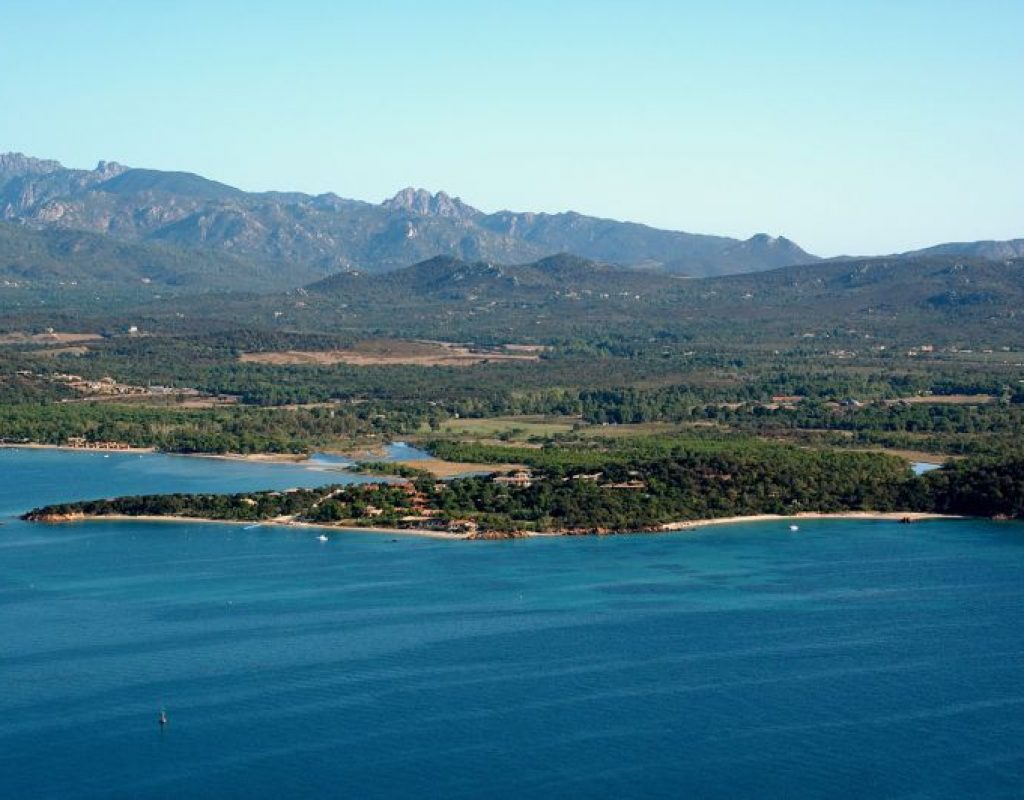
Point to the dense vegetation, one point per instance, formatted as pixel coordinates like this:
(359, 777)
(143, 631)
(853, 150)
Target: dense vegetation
(635, 372)
(230, 429)
(983, 487)
(55, 257)
(300, 408)
(641, 489)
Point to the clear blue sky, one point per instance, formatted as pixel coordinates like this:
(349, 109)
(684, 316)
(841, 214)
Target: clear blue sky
(851, 127)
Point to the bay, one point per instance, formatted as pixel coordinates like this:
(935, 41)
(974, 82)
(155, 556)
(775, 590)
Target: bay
(853, 658)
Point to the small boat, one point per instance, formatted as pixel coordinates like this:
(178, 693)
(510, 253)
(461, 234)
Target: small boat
(162, 718)
(322, 537)
(794, 527)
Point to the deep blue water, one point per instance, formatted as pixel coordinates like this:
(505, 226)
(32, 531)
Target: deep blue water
(851, 659)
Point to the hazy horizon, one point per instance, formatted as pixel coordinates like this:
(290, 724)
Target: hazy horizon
(859, 130)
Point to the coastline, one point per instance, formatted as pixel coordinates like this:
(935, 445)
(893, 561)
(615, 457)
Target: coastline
(281, 523)
(683, 526)
(437, 467)
(298, 459)
(891, 516)
(70, 449)
(259, 458)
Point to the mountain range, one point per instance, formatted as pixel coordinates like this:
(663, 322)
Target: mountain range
(123, 225)
(328, 233)
(887, 286)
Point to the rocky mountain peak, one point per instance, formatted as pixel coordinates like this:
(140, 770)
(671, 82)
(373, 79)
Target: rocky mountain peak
(182, 209)
(422, 203)
(109, 169)
(764, 241)
(12, 164)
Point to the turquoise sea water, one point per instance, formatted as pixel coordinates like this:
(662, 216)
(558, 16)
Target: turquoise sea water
(850, 659)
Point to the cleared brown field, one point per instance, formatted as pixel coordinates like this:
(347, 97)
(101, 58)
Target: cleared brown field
(451, 469)
(18, 337)
(391, 352)
(911, 455)
(71, 350)
(948, 399)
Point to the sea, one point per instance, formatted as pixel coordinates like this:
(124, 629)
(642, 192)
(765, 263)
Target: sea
(845, 659)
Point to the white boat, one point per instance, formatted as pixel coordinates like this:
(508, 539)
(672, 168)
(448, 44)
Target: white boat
(322, 537)
(794, 527)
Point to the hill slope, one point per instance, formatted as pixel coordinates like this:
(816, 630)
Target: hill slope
(945, 299)
(1013, 248)
(53, 256)
(446, 279)
(329, 233)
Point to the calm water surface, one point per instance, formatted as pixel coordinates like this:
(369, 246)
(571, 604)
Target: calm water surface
(853, 659)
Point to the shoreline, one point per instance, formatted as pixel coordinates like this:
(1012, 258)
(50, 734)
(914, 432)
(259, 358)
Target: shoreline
(70, 449)
(298, 459)
(279, 523)
(890, 516)
(259, 458)
(438, 468)
(683, 526)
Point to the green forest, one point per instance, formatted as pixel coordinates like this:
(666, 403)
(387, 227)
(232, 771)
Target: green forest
(639, 490)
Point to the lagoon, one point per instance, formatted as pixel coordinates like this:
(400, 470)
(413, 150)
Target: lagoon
(854, 658)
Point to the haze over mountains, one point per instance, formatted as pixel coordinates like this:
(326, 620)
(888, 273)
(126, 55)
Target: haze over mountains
(981, 287)
(328, 233)
(121, 225)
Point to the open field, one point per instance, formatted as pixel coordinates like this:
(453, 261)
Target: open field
(513, 428)
(56, 337)
(450, 469)
(69, 350)
(914, 456)
(948, 399)
(392, 352)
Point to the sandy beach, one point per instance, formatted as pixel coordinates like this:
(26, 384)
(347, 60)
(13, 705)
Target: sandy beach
(435, 466)
(300, 459)
(281, 523)
(252, 458)
(34, 446)
(913, 516)
(671, 527)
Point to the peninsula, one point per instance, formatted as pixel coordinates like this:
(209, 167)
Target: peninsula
(668, 491)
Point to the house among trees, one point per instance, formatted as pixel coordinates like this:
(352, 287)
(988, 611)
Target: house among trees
(522, 478)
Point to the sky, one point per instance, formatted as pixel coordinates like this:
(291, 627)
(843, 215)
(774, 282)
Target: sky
(850, 127)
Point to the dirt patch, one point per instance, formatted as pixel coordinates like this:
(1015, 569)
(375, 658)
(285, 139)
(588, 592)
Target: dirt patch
(948, 399)
(73, 350)
(389, 352)
(920, 456)
(208, 402)
(450, 469)
(48, 338)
